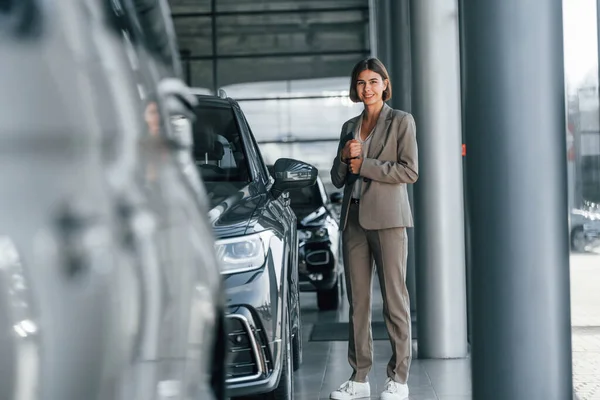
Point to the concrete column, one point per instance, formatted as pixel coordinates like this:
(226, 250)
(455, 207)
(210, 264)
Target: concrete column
(515, 115)
(467, 210)
(440, 239)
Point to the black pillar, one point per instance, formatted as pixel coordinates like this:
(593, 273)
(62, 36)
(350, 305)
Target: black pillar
(515, 115)
(392, 46)
(382, 46)
(401, 71)
(401, 59)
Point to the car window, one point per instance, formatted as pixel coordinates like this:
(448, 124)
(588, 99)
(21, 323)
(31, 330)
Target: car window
(218, 145)
(323, 191)
(307, 197)
(260, 161)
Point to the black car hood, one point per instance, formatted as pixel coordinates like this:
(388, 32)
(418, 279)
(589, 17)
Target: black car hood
(232, 207)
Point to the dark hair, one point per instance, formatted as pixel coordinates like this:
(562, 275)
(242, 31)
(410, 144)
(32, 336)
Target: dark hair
(371, 64)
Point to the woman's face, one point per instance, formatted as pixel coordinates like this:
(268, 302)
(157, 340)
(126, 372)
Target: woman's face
(370, 87)
(152, 118)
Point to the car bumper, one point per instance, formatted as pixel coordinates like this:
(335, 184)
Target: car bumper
(591, 233)
(317, 266)
(317, 281)
(254, 337)
(250, 367)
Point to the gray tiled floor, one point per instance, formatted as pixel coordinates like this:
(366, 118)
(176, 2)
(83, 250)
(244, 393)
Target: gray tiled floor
(585, 317)
(325, 365)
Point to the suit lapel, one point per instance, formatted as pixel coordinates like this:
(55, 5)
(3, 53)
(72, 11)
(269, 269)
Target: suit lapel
(381, 132)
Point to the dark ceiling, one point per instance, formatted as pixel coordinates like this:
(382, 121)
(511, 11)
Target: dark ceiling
(269, 40)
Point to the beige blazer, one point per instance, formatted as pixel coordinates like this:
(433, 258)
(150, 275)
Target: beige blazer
(391, 163)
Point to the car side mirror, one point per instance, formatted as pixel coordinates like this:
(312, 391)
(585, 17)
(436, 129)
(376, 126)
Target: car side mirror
(20, 18)
(336, 197)
(292, 174)
(182, 132)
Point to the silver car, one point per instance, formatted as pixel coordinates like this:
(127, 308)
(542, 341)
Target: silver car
(109, 287)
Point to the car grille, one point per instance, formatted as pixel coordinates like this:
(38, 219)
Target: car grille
(244, 362)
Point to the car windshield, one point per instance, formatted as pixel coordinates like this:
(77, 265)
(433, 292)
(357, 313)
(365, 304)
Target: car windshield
(218, 145)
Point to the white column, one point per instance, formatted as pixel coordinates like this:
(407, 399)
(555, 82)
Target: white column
(440, 238)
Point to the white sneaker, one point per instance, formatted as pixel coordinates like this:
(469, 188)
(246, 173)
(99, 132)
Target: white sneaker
(394, 391)
(351, 390)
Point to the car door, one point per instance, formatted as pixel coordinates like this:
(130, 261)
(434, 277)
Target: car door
(280, 207)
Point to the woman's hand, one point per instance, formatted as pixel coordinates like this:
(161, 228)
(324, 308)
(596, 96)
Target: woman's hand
(355, 165)
(352, 149)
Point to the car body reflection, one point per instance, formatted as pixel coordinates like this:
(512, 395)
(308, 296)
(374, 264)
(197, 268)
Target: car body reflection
(118, 295)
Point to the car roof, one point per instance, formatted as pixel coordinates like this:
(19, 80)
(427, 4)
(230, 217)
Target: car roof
(213, 100)
(209, 99)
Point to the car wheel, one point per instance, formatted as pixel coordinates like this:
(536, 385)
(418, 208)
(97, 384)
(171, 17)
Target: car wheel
(578, 240)
(329, 299)
(285, 389)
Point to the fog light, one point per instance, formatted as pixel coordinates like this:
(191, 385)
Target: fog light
(316, 277)
(321, 232)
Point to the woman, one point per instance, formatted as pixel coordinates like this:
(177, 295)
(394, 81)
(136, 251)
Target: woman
(377, 157)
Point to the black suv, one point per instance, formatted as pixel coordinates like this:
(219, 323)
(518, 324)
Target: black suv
(257, 244)
(320, 259)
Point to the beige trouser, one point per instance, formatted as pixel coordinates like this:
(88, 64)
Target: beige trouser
(388, 248)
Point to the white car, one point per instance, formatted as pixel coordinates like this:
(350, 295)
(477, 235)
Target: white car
(585, 229)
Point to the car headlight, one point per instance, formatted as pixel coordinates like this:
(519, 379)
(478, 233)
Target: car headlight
(243, 253)
(321, 232)
(304, 235)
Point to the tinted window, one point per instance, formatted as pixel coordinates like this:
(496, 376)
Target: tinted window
(307, 197)
(218, 146)
(259, 158)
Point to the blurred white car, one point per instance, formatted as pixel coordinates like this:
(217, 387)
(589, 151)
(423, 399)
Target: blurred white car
(585, 229)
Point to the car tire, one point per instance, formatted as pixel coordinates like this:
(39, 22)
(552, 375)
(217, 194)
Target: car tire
(578, 240)
(285, 389)
(329, 299)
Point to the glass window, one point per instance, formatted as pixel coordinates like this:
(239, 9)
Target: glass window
(298, 119)
(296, 110)
(583, 169)
(218, 145)
(199, 73)
(307, 197)
(260, 162)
